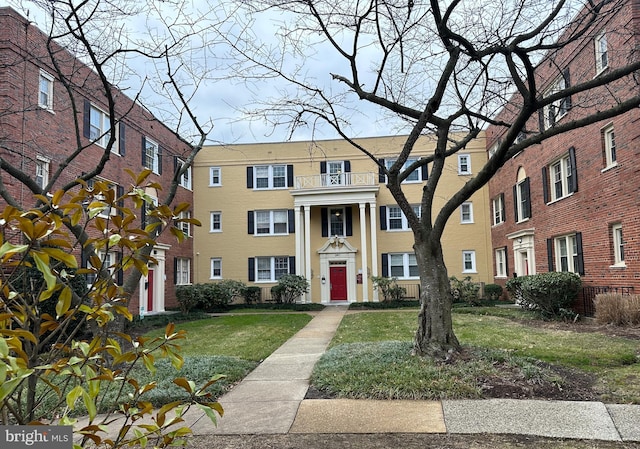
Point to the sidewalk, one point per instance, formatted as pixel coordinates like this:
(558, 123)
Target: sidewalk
(271, 401)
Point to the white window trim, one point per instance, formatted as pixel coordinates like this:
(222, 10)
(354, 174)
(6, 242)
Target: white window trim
(186, 178)
(601, 37)
(609, 142)
(155, 168)
(211, 173)
(103, 134)
(271, 222)
(468, 204)
(183, 268)
(558, 84)
(45, 164)
(519, 193)
(571, 268)
(468, 164)
(270, 177)
(212, 266)
(272, 261)
(184, 226)
(405, 223)
(474, 268)
(497, 209)
(405, 266)
(501, 269)
(50, 79)
(389, 162)
(335, 175)
(112, 210)
(564, 164)
(211, 221)
(618, 246)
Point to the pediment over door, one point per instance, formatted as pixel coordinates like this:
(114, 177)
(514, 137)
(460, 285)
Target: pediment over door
(337, 245)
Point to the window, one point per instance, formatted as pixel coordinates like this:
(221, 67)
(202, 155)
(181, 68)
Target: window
(270, 269)
(45, 91)
(42, 172)
(185, 179)
(493, 149)
(522, 198)
(216, 268)
(108, 261)
(183, 271)
(417, 175)
(402, 265)
(563, 178)
(553, 112)
(609, 143)
(464, 164)
(101, 206)
(152, 156)
(99, 128)
(184, 226)
(602, 58)
(336, 222)
(216, 222)
(566, 248)
(270, 176)
(271, 222)
(466, 213)
(498, 209)
(501, 263)
(215, 176)
(618, 245)
(336, 173)
(468, 261)
(396, 220)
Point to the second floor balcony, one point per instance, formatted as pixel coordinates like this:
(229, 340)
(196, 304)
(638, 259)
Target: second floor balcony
(336, 181)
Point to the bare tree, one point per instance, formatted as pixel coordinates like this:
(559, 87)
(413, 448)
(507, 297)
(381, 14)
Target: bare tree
(438, 68)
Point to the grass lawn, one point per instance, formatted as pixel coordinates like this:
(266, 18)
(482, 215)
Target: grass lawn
(613, 360)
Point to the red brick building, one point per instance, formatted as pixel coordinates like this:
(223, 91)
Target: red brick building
(572, 202)
(42, 123)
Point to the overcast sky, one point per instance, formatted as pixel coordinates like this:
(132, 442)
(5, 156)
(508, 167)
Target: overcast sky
(220, 100)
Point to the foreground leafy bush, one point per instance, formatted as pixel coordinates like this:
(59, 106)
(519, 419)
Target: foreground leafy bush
(210, 295)
(290, 287)
(251, 294)
(389, 288)
(550, 294)
(493, 291)
(464, 290)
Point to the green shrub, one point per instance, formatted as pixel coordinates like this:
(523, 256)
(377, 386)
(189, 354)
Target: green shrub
(289, 288)
(251, 294)
(187, 297)
(493, 291)
(389, 288)
(550, 294)
(209, 296)
(464, 290)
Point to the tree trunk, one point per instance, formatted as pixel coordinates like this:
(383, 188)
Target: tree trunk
(434, 337)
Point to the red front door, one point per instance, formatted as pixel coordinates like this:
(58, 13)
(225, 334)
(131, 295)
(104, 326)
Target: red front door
(150, 291)
(338, 280)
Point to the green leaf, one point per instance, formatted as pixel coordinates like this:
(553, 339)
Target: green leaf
(8, 248)
(43, 267)
(73, 395)
(90, 404)
(68, 259)
(209, 412)
(64, 302)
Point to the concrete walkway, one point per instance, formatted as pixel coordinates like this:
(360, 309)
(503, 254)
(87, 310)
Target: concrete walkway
(271, 401)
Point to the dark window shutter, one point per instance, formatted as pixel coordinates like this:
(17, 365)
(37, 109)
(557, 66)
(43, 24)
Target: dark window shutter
(381, 175)
(143, 216)
(502, 204)
(323, 167)
(252, 269)
(526, 187)
(250, 223)
(160, 153)
(324, 218)
(249, 177)
(144, 151)
(86, 119)
(580, 263)
(424, 171)
(119, 273)
(545, 184)
(515, 202)
(550, 254)
(506, 260)
(573, 179)
(175, 270)
(122, 138)
(349, 220)
(289, 175)
(566, 101)
(383, 218)
(292, 264)
(120, 195)
(347, 166)
(176, 164)
(292, 221)
(541, 119)
(385, 264)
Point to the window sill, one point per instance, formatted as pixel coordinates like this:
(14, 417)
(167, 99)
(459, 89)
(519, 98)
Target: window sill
(560, 199)
(618, 266)
(470, 272)
(216, 232)
(466, 222)
(609, 167)
(495, 225)
(501, 277)
(464, 173)
(215, 185)
(524, 220)
(47, 108)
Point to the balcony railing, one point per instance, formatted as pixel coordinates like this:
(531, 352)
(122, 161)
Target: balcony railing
(336, 181)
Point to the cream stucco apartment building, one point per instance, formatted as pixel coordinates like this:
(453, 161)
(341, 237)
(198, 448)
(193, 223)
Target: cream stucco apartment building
(321, 210)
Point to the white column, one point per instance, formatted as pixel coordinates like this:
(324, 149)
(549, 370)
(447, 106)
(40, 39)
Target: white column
(363, 252)
(307, 245)
(299, 241)
(373, 213)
